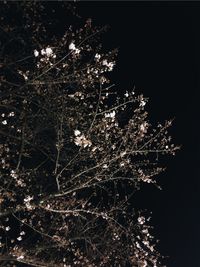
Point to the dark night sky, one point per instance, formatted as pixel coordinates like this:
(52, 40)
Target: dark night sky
(159, 46)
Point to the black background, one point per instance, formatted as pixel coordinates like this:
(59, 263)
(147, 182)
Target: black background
(159, 44)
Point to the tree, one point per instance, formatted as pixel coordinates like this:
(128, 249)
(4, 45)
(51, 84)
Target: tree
(70, 161)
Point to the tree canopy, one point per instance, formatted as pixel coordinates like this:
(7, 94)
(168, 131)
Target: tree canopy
(74, 148)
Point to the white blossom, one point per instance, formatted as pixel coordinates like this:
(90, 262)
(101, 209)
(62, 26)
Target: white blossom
(105, 62)
(49, 51)
(94, 149)
(43, 52)
(138, 245)
(36, 53)
(113, 147)
(4, 122)
(110, 115)
(72, 46)
(126, 94)
(77, 51)
(22, 233)
(110, 65)
(143, 127)
(97, 56)
(105, 166)
(141, 220)
(24, 74)
(13, 174)
(123, 153)
(82, 141)
(71, 96)
(142, 103)
(28, 199)
(77, 132)
(121, 164)
(21, 257)
(11, 114)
